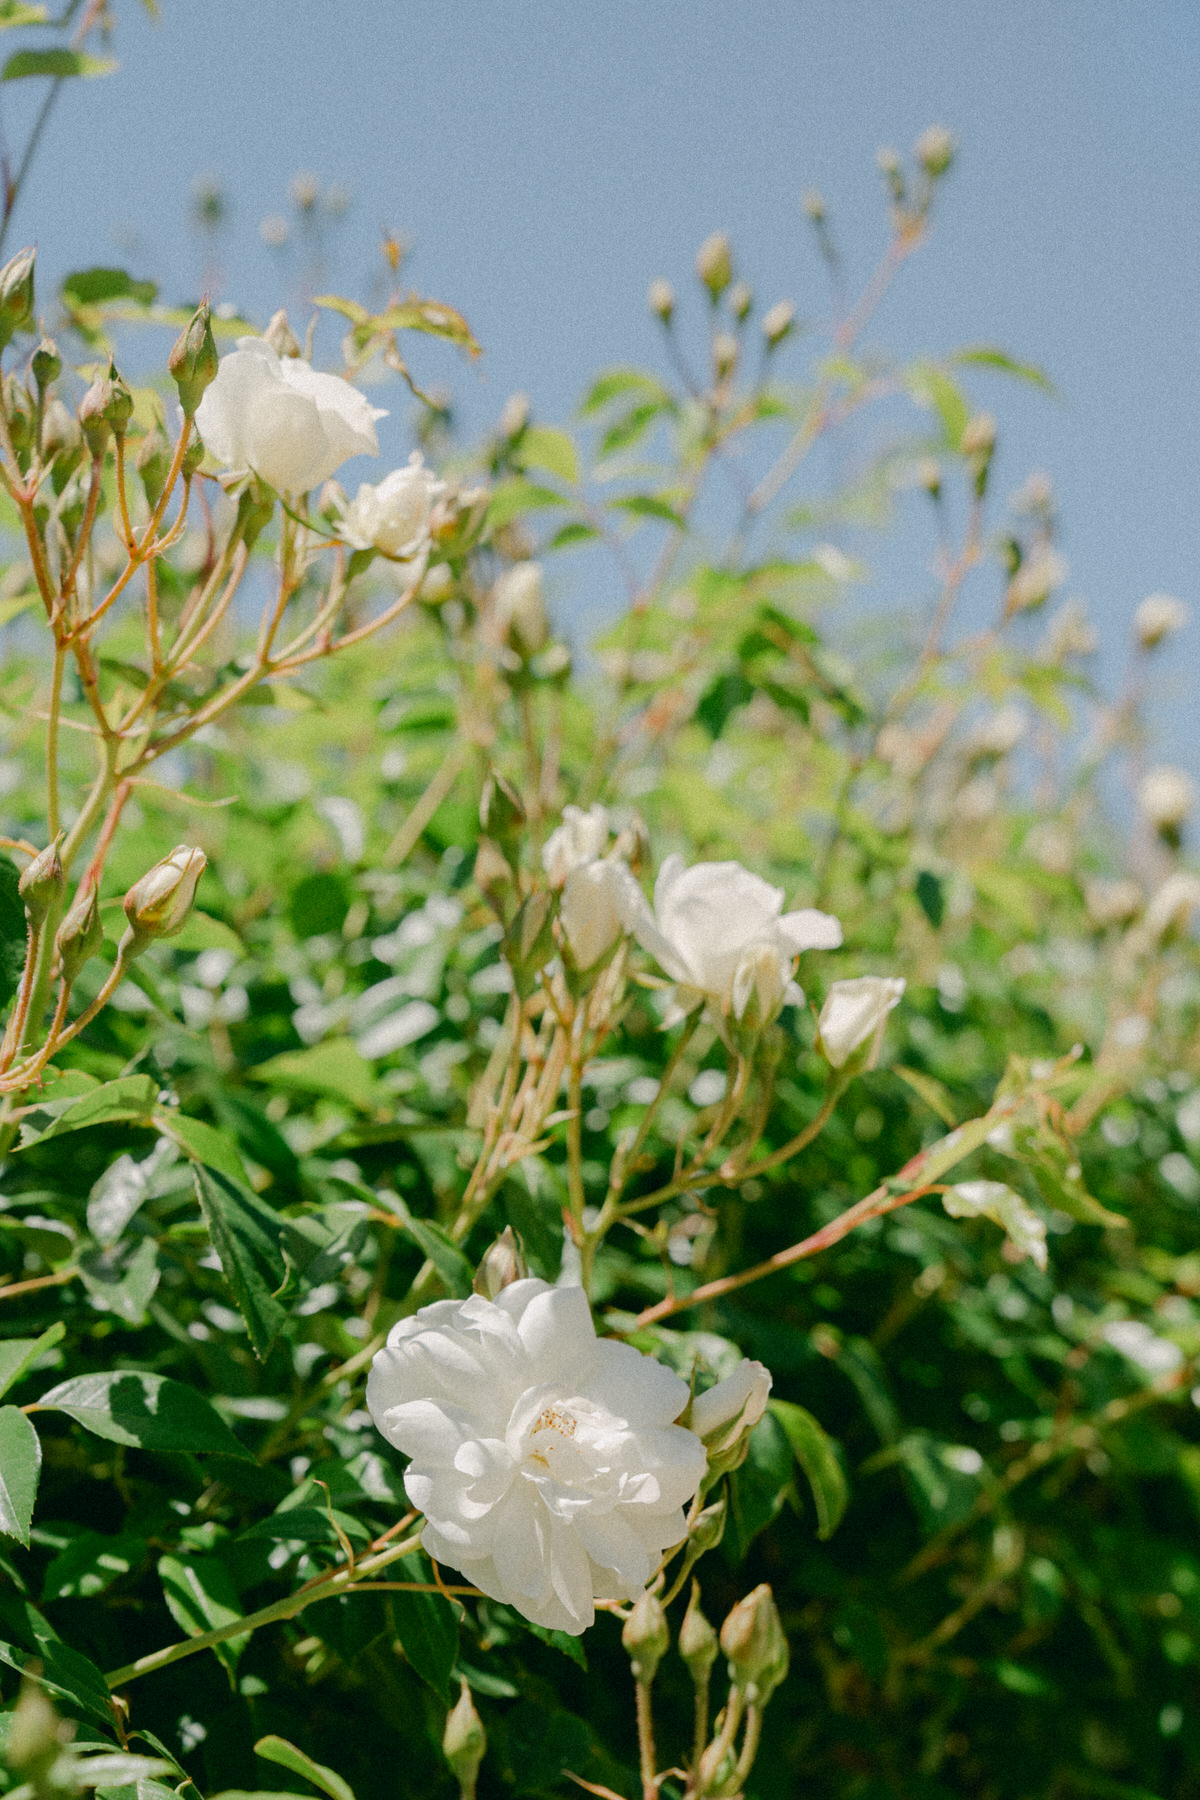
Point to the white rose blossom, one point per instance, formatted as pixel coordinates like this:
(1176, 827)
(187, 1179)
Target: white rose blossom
(547, 1461)
(854, 1011)
(599, 899)
(393, 514)
(721, 934)
(579, 839)
(284, 419)
(519, 606)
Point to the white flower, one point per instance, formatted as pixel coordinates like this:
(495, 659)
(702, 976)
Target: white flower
(1042, 571)
(994, 1200)
(280, 417)
(579, 839)
(393, 515)
(854, 1011)
(1159, 616)
(519, 606)
(1173, 903)
(598, 900)
(1112, 900)
(721, 933)
(546, 1460)
(1166, 796)
(1134, 1339)
(733, 1406)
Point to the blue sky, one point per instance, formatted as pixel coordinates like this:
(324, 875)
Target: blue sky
(545, 160)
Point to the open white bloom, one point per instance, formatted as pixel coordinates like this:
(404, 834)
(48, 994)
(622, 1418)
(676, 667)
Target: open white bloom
(284, 419)
(1025, 1231)
(854, 1011)
(598, 900)
(393, 515)
(546, 1460)
(734, 1405)
(519, 606)
(1173, 903)
(1166, 795)
(1159, 616)
(579, 839)
(721, 933)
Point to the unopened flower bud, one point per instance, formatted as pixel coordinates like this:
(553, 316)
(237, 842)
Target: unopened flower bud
(193, 456)
(741, 299)
(16, 294)
(697, 1639)
(934, 150)
(46, 363)
(519, 608)
(778, 322)
(153, 463)
(752, 1638)
(158, 905)
(1035, 579)
(646, 1636)
(853, 1015)
(812, 205)
(18, 408)
(716, 1772)
(193, 359)
(1159, 616)
(118, 407)
(724, 355)
(501, 810)
(281, 337)
(660, 298)
(528, 944)
(255, 508)
(714, 264)
(708, 1528)
(80, 935)
(42, 884)
(93, 416)
(36, 1736)
(501, 1265)
(514, 417)
(928, 474)
(734, 1406)
(464, 1741)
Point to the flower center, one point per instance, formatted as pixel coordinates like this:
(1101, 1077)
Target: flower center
(563, 1425)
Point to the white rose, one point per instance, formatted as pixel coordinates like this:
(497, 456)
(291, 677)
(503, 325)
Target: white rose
(854, 1011)
(579, 839)
(1166, 795)
(392, 515)
(733, 1406)
(1173, 903)
(712, 921)
(278, 416)
(1159, 616)
(994, 1200)
(597, 902)
(519, 606)
(546, 1460)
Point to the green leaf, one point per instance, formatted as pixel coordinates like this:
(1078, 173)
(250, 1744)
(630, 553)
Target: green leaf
(987, 356)
(89, 1564)
(128, 1406)
(65, 1673)
(931, 897)
(931, 387)
(20, 1466)
(931, 1091)
(247, 1236)
(456, 1272)
(130, 1099)
(650, 506)
(512, 498)
(203, 932)
(122, 1280)
(120, 1768)
(14, 934)
(20, 1354)
(59, 63)
(201, 1597)
(16, 12)
(204, 1144)
(94, 287)
(278, 1750)
(18, 603)
(308, 1525)
(427, 1627)
(817, 1455)
(626, 431)
(335, 1068)
(545, 447)
(574, 533)
(616, 382)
